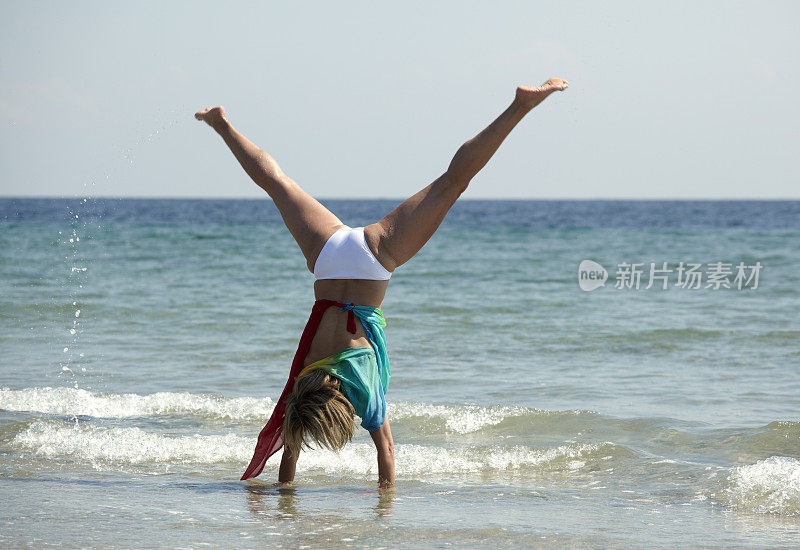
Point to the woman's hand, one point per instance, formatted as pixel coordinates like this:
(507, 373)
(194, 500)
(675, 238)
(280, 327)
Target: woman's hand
(385, 447)
(288, 466)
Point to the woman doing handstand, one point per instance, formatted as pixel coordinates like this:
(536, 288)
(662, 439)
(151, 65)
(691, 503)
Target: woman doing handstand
(341, 368)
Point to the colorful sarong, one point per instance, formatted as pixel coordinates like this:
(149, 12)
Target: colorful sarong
(363, 380)
(270, 440)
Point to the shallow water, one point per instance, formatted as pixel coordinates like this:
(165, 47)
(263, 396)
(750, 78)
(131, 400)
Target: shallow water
(525, 411)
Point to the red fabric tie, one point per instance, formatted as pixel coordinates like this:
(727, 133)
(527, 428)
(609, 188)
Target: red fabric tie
(351, 322)
(270, 440)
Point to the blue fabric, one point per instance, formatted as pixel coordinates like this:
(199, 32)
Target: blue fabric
(364, 372)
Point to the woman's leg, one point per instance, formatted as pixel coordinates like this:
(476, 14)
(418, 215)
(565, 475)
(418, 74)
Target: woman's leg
(401, 233)
(308, 221)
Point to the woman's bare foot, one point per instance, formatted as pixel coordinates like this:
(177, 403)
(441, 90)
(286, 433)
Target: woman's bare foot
(213, 116)
(530, 97)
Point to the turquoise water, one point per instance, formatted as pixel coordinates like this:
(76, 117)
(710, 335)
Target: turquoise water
(145, 341)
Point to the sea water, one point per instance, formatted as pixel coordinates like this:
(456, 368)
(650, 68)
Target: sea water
(144, 343)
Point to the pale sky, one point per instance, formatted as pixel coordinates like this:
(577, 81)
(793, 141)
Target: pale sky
(667, 99)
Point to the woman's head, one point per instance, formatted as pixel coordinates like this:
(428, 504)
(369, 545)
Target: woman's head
(317, 410)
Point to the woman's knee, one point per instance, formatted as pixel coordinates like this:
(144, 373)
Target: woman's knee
(455, 182)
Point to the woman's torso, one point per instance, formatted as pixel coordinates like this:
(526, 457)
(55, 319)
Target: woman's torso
(332, 335)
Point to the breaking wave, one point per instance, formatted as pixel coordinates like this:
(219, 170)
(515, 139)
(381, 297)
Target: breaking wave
(770, 486)
(460, 419)
(71, 401)
(133, 446)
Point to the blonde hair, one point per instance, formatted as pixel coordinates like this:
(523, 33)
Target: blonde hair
(318, 411)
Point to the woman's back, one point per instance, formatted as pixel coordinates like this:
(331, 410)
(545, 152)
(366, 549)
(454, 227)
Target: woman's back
(332, 335)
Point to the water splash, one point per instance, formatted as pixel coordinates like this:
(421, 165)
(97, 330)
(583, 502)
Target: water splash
(770, 486)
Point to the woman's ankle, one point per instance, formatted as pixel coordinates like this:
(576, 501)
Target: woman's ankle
(221, 126)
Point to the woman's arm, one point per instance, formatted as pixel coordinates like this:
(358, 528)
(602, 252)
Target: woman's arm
(385, 446)
(288, 466)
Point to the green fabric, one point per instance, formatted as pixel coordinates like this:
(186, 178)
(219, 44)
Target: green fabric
(363, 371)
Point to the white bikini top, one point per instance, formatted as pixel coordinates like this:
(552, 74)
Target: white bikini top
(347, 256)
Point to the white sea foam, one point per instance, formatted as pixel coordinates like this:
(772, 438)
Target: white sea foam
(126, 446)
(460, 419)
(770, 486)
(71, 401)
